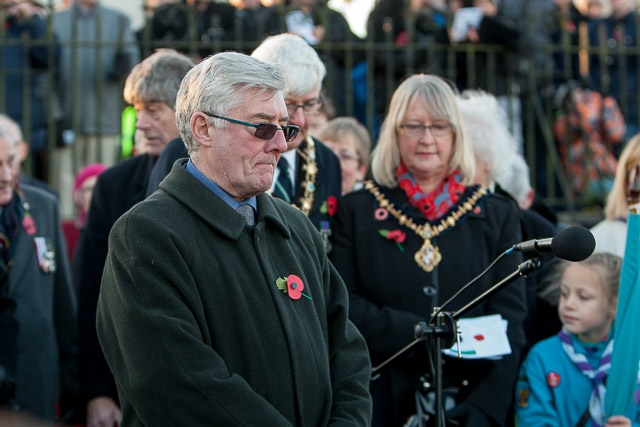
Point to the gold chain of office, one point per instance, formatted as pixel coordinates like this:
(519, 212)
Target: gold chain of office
(428, 256)
(310, 168)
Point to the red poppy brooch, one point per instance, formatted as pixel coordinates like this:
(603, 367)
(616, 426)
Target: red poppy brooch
(292, 285)
(397, 236)
(329, 206)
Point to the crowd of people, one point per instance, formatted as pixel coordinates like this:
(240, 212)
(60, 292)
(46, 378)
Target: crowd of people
(131, 293)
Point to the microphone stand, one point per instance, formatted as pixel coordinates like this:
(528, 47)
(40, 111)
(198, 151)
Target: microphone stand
(444, 333)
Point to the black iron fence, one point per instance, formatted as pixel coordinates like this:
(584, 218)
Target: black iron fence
(362, 75)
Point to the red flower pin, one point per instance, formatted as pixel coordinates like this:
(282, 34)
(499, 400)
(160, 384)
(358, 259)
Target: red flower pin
(29, 225)
(396, 235)
(292, 285)
(330, 206)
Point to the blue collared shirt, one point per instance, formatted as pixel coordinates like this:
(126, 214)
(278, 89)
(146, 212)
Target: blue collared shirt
(215, 188)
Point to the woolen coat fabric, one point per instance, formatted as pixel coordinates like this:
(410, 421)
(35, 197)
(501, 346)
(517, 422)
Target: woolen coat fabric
(45, 312)
(191, 320)
(390, 293)
(117, 189)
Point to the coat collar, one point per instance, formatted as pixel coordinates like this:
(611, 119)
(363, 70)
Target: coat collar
(185, 188)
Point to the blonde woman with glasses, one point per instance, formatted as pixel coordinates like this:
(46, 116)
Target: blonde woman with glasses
(413, 237)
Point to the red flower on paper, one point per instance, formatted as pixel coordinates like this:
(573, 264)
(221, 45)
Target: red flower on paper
(397, 236)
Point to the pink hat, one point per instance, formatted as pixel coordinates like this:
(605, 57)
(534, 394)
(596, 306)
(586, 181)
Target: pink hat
(93, 169)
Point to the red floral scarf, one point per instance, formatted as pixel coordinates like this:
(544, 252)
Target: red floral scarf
(435, 204)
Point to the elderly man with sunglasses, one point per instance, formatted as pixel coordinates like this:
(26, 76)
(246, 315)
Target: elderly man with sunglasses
(219, 305)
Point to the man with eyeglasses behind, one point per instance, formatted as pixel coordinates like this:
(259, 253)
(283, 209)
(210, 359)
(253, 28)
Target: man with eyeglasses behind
(218, 304)
(313, 170)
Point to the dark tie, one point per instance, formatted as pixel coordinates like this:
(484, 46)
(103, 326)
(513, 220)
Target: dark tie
(284, 188)
(247, 213)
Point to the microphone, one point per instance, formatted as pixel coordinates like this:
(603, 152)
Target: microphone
(572, 244)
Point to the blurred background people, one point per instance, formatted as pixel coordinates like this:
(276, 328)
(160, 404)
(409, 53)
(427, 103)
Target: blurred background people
(351, 142)
(26, 81)
(610, 72)
(82, 190)
(498, 73)
(589, 128)
(90, 86)
(410, 240)
(320, 25)
(611, 232)
(37, 302)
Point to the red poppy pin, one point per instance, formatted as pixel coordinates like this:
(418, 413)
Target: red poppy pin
(292, 285)
(29, 224)
(397, 236)
(330, 206)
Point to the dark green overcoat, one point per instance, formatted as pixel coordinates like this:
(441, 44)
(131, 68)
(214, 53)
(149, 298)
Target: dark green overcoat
(196, 331)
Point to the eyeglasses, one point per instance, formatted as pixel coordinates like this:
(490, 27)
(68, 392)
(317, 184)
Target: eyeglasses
(264, 131)
(417, 130)
(309, 107)
(346, 156)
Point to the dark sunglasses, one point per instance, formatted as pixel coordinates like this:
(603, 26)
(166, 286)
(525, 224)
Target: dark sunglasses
(264, 131)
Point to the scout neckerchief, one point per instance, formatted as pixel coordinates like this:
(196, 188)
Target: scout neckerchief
(597, 376)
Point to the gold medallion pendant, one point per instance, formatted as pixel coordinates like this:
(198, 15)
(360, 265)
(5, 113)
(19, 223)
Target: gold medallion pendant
(428, 256)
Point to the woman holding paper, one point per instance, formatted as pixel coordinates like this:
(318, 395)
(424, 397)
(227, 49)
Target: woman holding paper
(411, 239)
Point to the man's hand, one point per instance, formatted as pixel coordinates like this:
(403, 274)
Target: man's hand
(618, 421)
(103, 412)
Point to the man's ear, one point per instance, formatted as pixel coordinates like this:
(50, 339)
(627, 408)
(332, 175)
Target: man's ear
(22, 151)
(199, 124)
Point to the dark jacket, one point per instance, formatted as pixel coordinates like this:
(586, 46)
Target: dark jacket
(390, 293)
(191, 319)
(173, 151)
(45, 312)
(117, 189)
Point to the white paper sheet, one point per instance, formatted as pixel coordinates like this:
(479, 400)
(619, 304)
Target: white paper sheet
(482, 337)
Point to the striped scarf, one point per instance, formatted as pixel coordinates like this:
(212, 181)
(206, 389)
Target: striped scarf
(597, 376)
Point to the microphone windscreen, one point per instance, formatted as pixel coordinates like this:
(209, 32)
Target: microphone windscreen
(573, 244)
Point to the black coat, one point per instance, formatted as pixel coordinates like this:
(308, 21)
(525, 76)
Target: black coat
(389, 294)
(117, 189)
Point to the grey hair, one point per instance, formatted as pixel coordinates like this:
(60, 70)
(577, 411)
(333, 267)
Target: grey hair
(606, 265)
(517, 182)
(488, 129)
(217, 85)
(440, 98)
(10, 130)
(341, 127)
(303, 67)
(157, 78)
